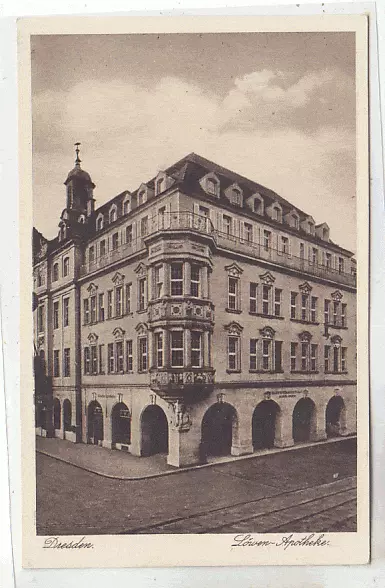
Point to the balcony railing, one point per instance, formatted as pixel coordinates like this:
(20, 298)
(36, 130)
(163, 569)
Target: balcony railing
(181, 221)
(182, 383)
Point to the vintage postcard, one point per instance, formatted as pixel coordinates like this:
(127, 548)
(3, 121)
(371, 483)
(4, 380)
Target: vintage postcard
(194, 236)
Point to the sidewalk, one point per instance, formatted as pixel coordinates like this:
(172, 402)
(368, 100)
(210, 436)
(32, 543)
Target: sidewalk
(124, 466)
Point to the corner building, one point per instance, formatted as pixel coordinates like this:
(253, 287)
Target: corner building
(200, 315)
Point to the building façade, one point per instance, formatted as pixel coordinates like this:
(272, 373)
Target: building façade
(201, 314)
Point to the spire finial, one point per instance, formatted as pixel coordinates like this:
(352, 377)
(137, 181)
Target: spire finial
(77, 160)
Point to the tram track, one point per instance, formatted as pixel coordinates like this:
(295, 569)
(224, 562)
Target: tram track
(228, 518)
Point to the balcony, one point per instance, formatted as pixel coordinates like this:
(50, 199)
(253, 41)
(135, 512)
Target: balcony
(187, 221)
(284, 259)
(185, 384)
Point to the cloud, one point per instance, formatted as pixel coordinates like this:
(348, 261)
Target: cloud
(276, 130)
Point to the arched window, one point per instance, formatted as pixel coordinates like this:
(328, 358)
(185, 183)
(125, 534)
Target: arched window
(258, 205)
(113, 214)
(126, 207)
(99, 222)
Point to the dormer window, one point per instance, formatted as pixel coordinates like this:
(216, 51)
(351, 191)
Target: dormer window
(113, 214)
(277, 213)
(258, 205)
(234, 194)
(308, 225)
(126, 207)
(295, 221)
(160, 186)
(210, 184)
(142, 197)
(99, 222)
(323, 232)
(82, 219)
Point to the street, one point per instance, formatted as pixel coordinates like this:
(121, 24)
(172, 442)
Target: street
(308, 489)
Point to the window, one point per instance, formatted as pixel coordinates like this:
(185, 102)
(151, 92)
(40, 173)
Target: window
(304, 356)
(66, 304)
(314, 256)
(161, 217)
(128, 298)
(142, 285)
(203, 211)
(55, 272)
(341, 265)
(56, 364)
(102, 248)
(126, 207)
(343, 359)
(118, 301)
(233, 298)
(277, 302)
(293, 305)
(328, 260)
(327, 312)
(99, 223)
(176, 279)
(293, 356)
(253, 354)
(86, 310)
(285, 245)
(211, 186)
(94, 360)
(327, 358)
(113, 215)
(66, 362)
(253, 297)
(144, 226)
(336, 359)
(129, 354)
(143, 354)
(109, 304)
(276, 213)
(101, 359)
(129, 234)
(111, 358)
(266, 290)
(258, 205)
(266, 240)
(195, 280)
(101, 307)
(56, 315)
(313, 358)
(278, 356)
(159, 185)
(266, 354)
(119, 357)
(304, 306)
(91, 254)
(93, 309)
(177, 348)
(115, 241)
(159, 349)
(336, 310)
(295, 221)
(158, 281)
(343, 315)
(234, 353)
(313, 309)
(248, 232)
(87, 362)
(227, 224)
(40, 319)
(302, 251)
(66, 266)
(196, 349)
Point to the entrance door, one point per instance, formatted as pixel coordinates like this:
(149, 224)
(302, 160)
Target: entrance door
(302, 420)
(334, 415)
(263, 424)
(154, 431)
(217, 429)
(121, 424)
(95, 423)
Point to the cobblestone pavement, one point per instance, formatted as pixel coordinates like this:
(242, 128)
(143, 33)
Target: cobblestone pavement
(310, 489)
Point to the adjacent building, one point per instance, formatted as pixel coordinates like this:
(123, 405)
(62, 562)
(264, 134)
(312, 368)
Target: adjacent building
(202, 314)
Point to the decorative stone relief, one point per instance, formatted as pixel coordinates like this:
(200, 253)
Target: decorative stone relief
(305, 336)
(92, 289)
(305, 288)
(234, 328)
(118, 279)
(234, 270)
(118, 333)
(337, 296)
(93, 337)
(141, 270)
(141, 328)
(267, 278)
(267, 332)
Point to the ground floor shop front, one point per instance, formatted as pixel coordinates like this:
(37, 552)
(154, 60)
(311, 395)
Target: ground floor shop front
(235, 421)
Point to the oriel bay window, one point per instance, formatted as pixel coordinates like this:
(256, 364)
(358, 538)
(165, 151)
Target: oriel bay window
(176, 279)
(158, 281)
(159, 349)
(195, 280)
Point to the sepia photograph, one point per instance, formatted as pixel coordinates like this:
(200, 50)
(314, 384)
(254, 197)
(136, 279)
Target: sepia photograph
(194, 269)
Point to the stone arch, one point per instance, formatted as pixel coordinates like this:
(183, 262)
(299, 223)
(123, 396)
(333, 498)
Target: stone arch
(95, 428)
(67, 415)
(219, 428)
(304, 420)
(56, 414)
(154, 430)
(335, 416)
(264, 421)
(120, 424)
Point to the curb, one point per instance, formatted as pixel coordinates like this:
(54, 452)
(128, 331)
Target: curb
(233, 459)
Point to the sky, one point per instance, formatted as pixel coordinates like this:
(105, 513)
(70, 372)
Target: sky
(278, 108)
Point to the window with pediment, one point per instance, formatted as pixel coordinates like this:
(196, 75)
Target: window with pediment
(234, 272)
(234, 331)
(335, 356)
(304, 354)
(304, 306)
(265, 352)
